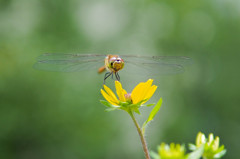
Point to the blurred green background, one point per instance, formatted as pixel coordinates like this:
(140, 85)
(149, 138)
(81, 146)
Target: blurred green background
(58, 115)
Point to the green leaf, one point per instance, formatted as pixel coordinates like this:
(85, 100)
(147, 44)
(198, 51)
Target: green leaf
(106, 103)
(124, 104)
(192, 147)
(133, 106)
(110, 109)
(197, 153)
(137, 111)
(155, 110)
(149, 105)
(154, 155)
(152, 114)
(220, 154)
(142, 101)
(109, 105)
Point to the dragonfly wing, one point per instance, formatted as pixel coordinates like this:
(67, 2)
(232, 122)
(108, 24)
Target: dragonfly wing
(153, 69)
(164, 60)
(68, 62)
(155, 65)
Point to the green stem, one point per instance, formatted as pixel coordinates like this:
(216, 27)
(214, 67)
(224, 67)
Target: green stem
(144, 143)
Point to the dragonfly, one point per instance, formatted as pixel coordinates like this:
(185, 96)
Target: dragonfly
(112, 64)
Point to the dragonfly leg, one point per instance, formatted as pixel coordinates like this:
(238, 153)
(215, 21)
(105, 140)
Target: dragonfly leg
(106, 76)
(117, 76)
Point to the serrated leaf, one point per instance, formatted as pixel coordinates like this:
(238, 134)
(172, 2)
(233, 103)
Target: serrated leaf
(106, 103)
(152, 114)
(197, 153)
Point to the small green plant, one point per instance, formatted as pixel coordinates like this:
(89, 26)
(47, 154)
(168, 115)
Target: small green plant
(131, 102)
(204, 148)
(210, 146)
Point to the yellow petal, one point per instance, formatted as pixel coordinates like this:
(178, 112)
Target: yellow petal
(146, 89)
(201, 139)
(120, 91)
(108, 98)
(215, 145)
(124, 91)
(110, 93)
(150, 81)
(150, 93)
(140, 91)
(137, 93)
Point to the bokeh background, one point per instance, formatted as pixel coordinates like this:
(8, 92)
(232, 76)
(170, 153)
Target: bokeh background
(58, 115)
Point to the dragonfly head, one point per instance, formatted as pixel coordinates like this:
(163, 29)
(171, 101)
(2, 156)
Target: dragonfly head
(115, 63)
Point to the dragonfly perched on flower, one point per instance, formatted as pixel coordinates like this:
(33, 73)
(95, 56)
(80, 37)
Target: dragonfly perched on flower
(153, 65)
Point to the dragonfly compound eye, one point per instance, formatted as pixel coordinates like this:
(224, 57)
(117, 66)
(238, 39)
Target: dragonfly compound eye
(111, 64)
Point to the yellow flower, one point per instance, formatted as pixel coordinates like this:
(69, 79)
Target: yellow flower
(140, 94)
(172, 151)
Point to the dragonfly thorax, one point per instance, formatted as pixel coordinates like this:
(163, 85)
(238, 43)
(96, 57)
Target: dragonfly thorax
(114, 63)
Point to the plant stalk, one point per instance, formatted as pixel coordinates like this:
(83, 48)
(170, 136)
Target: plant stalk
(144, 143)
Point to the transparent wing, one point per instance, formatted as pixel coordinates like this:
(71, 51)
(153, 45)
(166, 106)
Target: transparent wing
(148, 65)
(155, 69)
(68, 62)
(172, 60)
(155, 65)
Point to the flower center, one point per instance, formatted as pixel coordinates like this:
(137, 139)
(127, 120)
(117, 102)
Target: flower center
(128, 97)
